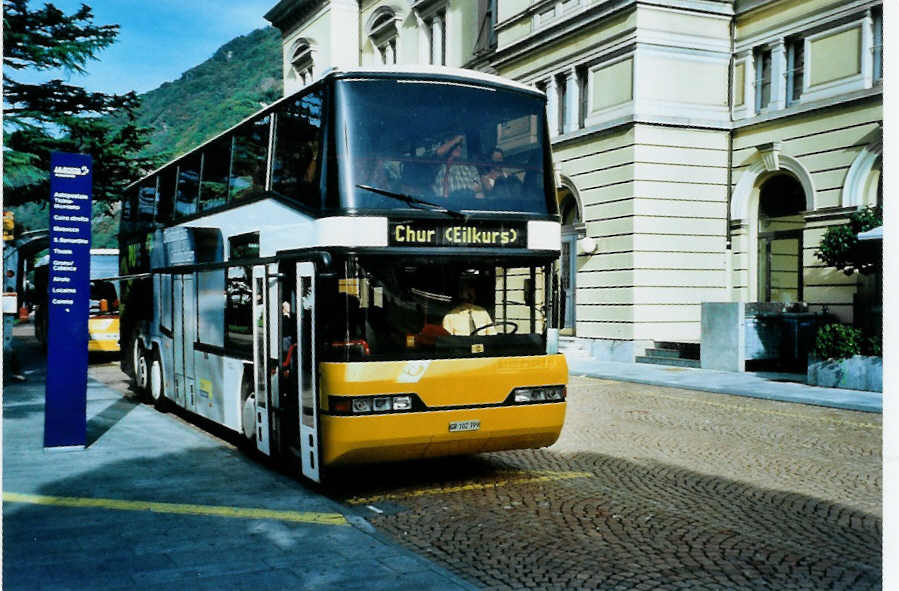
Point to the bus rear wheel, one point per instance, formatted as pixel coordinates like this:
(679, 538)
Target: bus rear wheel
(157, 385)
(139, 366)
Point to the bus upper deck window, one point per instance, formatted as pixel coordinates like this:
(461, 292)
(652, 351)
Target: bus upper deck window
(216, 168)
(188, 187)
(146, 199)
(167, 180)
(296, 166)
(249, 159)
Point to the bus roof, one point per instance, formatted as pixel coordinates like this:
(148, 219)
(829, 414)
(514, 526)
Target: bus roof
(428, 72)
(423, 71)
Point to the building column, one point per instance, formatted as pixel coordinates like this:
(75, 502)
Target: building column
(748, 81)
(778, 75)
(437, 40)
(572, 101)
(868, 49)
(552, 106)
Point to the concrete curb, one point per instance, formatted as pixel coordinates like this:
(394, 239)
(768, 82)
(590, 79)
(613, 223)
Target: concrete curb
(722, 382)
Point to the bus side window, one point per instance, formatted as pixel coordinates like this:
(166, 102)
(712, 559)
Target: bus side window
(166, 195)
(239, 312)
(129, 209)
(249, 159)
(146, 199)
(298, 143)
(216, 166)
(188, 186)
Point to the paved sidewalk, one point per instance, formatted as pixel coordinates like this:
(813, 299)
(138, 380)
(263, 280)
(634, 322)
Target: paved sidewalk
(755, 385)
(153, 503)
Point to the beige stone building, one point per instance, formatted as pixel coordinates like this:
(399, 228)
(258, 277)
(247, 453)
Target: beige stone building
(701, 147)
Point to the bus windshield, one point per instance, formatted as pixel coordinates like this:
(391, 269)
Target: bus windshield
(378, 309)
(417, 144)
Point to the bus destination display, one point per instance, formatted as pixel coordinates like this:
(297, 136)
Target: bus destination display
(68, 299)
(482, 234)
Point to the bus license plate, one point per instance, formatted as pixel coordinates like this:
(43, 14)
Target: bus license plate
(457, 426)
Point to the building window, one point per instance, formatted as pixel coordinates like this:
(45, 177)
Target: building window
(486, 26)
(762, 79)
(435, 27)
(877, 49)
(301, 63)
(388, 53)
(582, 97)
(383, 34)
(795, 69)
(562, 99)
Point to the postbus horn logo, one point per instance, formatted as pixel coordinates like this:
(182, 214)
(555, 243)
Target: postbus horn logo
(70, 172)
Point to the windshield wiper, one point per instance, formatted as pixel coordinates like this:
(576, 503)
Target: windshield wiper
(415, 201)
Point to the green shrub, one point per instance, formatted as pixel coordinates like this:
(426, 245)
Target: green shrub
(873, 346)
(840, 246)
(838, 341)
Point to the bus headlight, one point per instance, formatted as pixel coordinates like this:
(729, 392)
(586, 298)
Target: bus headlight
(357, 405)
(361, 405)
(538, 394)
(402, 403)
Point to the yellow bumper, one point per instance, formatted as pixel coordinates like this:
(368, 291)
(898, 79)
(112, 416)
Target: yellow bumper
(446, 387)
(103, 334)
(392, 437)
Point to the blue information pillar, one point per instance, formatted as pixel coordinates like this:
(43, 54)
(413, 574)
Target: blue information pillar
(68, 299)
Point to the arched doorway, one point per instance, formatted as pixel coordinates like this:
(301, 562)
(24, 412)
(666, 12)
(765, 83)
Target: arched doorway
(780, 225)
(572, 230)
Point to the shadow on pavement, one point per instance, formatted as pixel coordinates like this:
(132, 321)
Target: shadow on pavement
(624, 524)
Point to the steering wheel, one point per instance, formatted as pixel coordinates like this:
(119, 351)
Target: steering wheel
(498, 323)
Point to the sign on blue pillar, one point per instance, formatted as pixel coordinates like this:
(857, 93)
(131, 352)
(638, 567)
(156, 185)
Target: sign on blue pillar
(68, 299)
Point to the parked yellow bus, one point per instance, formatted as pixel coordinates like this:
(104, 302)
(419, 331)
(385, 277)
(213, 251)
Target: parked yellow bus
(103, 312)
(364, 271)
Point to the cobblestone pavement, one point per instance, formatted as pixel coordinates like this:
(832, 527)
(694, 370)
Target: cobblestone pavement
(647, 488)
(650, 488)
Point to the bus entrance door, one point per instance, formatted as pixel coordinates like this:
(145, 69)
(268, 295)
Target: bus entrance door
(184, 330)
(272, 347)
(178, 317)
(306, 378)
(260, 357)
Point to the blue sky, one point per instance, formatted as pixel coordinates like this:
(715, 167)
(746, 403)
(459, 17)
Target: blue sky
(157, 40)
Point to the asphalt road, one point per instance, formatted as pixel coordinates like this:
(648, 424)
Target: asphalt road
(647, 488)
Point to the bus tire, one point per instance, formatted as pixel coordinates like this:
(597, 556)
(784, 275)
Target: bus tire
(249, 419)
(140, 366)
(157, 383)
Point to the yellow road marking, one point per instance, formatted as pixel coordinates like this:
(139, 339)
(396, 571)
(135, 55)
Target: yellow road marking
(178, 508)
(767, 412)
(527, 478)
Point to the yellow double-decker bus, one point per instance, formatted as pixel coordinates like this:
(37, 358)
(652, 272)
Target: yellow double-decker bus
(364, 271)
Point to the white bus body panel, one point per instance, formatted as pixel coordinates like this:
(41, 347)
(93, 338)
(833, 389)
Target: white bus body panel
(231, 403)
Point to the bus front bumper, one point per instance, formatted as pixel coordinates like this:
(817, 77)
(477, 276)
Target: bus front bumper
(395, 437)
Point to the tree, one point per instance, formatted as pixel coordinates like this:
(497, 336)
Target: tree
(840, 246)
(55, 116)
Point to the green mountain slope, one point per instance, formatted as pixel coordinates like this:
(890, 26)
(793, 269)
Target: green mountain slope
(238, 80)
